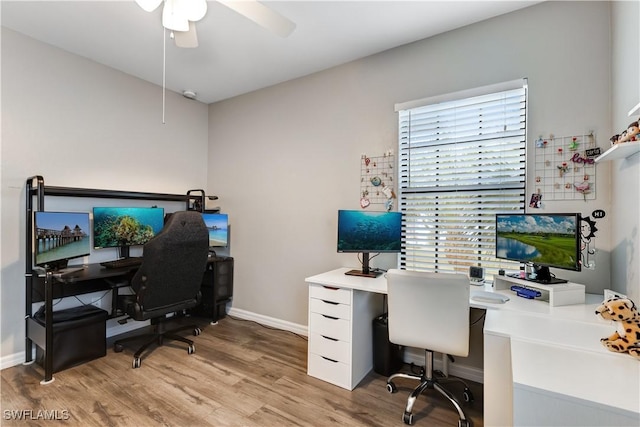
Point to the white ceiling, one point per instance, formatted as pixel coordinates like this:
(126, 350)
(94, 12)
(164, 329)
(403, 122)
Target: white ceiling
(236, 56)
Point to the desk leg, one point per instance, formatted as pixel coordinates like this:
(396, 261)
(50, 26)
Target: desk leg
(28, 343)
(498, 381)
(48, 326)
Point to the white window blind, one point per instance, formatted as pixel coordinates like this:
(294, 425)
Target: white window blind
(462, 160)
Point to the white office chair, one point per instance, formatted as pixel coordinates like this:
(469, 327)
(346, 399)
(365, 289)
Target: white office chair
(429, 311)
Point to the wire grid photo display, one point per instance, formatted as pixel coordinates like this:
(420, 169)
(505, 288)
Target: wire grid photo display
(562, 169)
(376, 180)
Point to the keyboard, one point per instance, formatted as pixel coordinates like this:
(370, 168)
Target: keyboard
(123, 262)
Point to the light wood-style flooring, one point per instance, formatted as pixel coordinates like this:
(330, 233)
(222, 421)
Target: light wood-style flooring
(242, 374)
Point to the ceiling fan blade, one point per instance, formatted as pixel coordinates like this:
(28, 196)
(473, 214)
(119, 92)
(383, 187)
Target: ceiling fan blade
(262, 15)
(187, 39)
(148, 5)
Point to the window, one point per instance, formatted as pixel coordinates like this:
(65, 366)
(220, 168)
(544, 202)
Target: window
(461, 161)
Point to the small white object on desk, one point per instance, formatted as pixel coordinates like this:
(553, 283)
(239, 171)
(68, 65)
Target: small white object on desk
(490, 297)
(67, 270)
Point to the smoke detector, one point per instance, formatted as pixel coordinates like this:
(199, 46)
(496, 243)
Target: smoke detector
(189, 94)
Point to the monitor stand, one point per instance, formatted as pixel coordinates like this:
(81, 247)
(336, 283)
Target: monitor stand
(123, 251)
(365, 272)
(544, 277)
(57, 265)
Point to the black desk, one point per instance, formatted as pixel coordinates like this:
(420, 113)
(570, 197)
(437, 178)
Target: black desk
(217, 290)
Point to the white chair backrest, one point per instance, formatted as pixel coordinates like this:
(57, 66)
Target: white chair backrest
(429, 310)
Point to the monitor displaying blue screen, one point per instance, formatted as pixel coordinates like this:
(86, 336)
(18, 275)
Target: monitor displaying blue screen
(369, 231)
(60, 236)
(218, 227)
(121, 227)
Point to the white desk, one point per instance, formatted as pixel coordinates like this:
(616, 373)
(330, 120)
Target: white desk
(543, 365)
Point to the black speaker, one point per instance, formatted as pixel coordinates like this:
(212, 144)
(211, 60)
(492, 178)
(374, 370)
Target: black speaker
(387, 357)
(222, 270)
(216, 289)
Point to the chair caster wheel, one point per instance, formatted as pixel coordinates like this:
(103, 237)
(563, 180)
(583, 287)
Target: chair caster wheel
(197, 331)
(391, 387)
(136, 362)
(191, 349)
(407, 418)
(467, 395)
(118, 348)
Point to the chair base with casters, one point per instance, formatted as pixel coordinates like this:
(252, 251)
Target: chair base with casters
(429, 381)
(157, 338)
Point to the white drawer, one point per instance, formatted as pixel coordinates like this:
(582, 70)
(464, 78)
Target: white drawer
(333, 309)
(327, 293)
(329, 347)
(334, 372)
(330, 327)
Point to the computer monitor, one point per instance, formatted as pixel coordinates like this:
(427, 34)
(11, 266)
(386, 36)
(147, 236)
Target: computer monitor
(218, 227)
(123, 227)
(368, 232)
(60, 237)
(544, 240)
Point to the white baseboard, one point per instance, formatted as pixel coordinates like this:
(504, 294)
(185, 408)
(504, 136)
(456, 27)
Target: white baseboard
(269, 321)
(12, 360)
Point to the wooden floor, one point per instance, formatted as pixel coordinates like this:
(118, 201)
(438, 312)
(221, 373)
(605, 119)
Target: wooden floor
(242, 374)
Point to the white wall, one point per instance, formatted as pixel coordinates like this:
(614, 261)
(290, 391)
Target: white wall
(80, 124)
(286, 158)
(283, 160)
(625, 183)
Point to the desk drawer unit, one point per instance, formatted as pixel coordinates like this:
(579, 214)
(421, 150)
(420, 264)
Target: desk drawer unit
(335, 355)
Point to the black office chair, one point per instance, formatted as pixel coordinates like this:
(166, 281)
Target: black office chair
(169, 279)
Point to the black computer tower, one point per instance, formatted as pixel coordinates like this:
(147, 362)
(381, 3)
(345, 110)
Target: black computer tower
(387, 357)
(217, 288)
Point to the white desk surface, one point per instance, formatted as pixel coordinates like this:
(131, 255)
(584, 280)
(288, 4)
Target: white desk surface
(553, 348)
(338, 278)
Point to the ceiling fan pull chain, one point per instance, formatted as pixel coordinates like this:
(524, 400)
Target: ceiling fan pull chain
(164, 68)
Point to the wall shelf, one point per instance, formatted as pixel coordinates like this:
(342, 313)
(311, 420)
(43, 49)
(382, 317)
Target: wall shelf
(622, 150)
(619, 151)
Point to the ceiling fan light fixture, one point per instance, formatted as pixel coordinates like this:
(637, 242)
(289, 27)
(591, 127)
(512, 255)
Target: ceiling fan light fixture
(148, 5)
(173, 18)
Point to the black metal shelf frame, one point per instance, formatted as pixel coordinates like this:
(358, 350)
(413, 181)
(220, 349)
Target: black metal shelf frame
(36, 189)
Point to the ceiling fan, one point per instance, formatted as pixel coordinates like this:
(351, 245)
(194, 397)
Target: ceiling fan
(180, 16)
